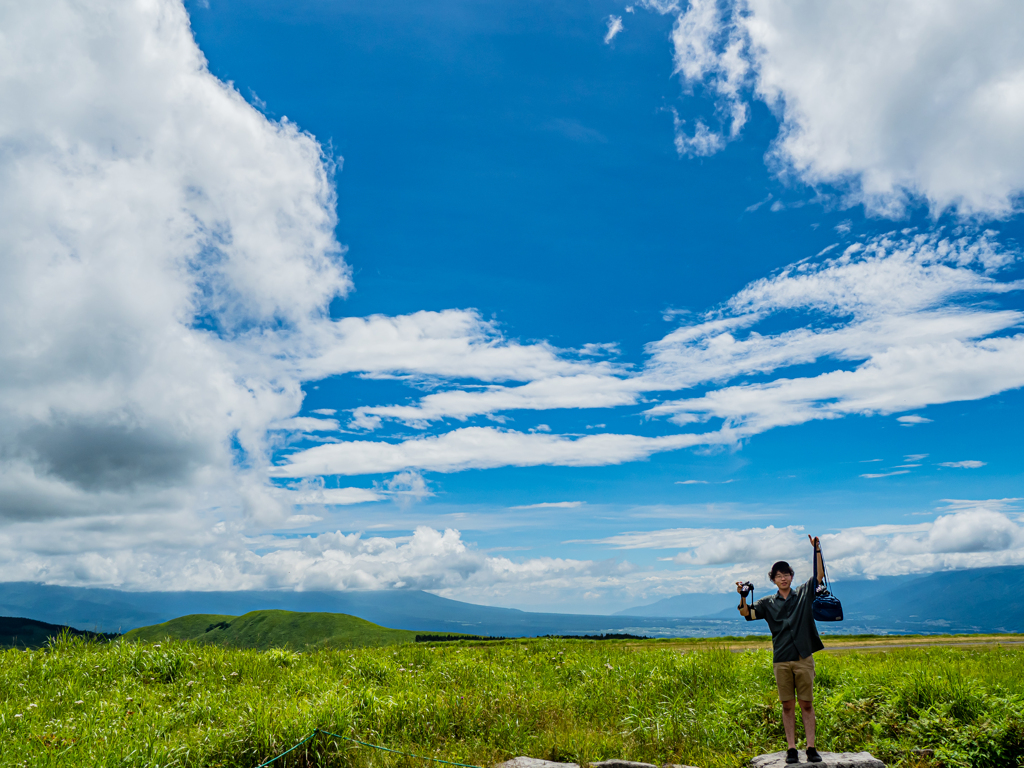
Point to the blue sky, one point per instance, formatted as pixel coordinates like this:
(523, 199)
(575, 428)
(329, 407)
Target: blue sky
(488, 300)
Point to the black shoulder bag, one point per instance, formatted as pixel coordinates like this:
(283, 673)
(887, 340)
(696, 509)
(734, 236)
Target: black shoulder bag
(826, 606)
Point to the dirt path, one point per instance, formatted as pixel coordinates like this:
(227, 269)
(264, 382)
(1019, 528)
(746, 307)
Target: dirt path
(834, 644)
(952, 643)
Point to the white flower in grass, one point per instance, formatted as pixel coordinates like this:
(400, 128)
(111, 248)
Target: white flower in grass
(32, 706)
(79, 702)
(18, 715)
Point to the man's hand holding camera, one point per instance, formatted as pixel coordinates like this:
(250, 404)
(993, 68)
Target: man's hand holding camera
(744, 588)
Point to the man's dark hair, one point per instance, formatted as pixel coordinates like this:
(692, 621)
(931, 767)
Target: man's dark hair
(780, 567)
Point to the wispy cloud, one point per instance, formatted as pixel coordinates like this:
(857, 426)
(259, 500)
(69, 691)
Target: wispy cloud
(917, 349)
(755, 206)
(702, 143)
(331, 496)
(480, 448)
(576, 131)
(969, 464)
(614, 28)
(550, 505)
(891, 303)
(998, 505)
(873, 476)
(909, 421)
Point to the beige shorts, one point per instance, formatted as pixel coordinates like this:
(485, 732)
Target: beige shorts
(795, 676)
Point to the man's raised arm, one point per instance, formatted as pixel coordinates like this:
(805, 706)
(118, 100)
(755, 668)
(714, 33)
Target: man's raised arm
(817, 557)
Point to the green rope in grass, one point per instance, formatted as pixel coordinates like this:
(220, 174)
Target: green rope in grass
(398, 751)
(275, 759)
(365, 744)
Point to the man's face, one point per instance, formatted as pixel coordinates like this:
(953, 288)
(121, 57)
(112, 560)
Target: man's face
(783, 579)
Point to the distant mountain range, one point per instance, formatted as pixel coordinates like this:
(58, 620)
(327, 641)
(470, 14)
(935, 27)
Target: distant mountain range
(117, 611)
(977, 600)
(974, 600)
(852, 593)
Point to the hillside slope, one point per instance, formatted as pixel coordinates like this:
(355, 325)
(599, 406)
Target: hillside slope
(275, 629)
(17, 632)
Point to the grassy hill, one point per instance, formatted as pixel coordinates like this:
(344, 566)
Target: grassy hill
(16, 632)
(275, 629)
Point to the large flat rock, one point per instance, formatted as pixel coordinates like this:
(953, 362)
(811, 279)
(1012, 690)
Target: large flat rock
(829, 760)
(533, 762)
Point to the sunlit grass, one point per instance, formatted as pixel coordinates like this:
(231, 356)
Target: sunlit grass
(180, 704)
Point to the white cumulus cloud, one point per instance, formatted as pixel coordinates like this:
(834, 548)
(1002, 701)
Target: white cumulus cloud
(972, 537)
(892, 101)
(155, 230)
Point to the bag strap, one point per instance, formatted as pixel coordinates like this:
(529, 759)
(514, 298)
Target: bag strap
(824, 570)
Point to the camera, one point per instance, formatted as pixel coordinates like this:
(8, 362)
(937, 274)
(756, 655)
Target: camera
(746, 588)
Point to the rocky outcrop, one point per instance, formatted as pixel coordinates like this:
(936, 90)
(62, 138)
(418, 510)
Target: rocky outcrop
(533, 762)
(829, 760)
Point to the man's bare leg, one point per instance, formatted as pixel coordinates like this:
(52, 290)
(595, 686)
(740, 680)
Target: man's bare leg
(789, 721)
(807, 713)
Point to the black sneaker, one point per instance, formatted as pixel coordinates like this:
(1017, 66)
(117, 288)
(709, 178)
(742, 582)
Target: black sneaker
(792, 756)
(813, 756)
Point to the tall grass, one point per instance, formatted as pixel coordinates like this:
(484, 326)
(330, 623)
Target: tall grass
(178, 704)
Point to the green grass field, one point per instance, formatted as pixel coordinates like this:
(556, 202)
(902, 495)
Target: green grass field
(275, 629)
(124, 703)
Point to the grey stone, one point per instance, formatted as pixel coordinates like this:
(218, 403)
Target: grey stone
(533, 762)
(829, 760)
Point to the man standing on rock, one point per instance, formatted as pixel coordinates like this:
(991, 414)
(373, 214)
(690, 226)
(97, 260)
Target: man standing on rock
(794, 641)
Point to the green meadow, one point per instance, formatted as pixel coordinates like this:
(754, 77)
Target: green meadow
(182, 703)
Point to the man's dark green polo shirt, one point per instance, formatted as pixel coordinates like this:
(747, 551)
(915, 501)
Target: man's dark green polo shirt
(794, 634)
